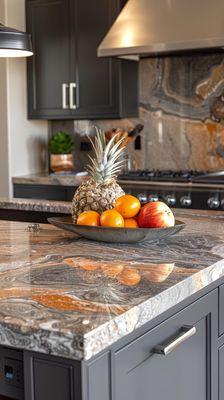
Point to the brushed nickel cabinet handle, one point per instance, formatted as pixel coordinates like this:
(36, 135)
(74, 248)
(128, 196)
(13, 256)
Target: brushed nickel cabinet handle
(72, 105)
(185, 333)
(64, 96)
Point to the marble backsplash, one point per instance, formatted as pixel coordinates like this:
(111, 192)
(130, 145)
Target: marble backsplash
(181, 105)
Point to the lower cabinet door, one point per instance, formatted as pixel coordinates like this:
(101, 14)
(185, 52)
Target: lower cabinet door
(182, 370)
(51, 378)
(221, 373)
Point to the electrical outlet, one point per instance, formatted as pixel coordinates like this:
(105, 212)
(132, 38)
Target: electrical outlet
(138, 143)
(13, 372)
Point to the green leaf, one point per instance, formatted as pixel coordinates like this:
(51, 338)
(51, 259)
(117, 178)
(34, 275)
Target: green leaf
(105, 165)
(61, 143)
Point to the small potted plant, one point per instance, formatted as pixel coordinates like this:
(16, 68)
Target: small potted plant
(61, 157)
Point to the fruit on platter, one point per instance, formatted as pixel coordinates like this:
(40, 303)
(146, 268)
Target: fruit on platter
(101, 191)
(90, 218)
(156, 214)
(100, 201)
(112, 218)
(152, 215)
(130, 223)
(128, 206)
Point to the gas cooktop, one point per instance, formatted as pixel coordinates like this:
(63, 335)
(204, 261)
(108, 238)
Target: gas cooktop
(174, 176)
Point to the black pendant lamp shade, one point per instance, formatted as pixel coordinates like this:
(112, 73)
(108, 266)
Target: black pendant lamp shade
(14, 43)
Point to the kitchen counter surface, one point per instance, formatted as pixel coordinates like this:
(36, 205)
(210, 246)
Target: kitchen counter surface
(44, 178)
(48, 206)
(70, 297)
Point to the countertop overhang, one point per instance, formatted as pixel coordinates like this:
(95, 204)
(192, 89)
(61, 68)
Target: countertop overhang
(47, 206)
(70, 297)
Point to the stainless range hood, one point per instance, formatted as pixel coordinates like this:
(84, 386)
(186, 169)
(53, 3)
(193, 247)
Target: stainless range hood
(150, 27)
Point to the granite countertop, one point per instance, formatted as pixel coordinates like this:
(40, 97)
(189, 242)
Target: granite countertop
(44, 178)
(60, 207)
(70, 297)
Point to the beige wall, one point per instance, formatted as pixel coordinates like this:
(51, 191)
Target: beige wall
(25, 140)
(4, 148)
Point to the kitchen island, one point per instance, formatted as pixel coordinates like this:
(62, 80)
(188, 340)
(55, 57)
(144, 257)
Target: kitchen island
(84, 320)
(32, 210)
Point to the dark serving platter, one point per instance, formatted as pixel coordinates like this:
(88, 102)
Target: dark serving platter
(116, 235)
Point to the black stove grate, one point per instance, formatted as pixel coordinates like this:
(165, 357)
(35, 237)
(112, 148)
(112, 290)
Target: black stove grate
(172, 176)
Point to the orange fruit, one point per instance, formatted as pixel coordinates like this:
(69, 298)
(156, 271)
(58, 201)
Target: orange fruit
(91, 218)
(128, 206)
(130, 223)
(112, 218)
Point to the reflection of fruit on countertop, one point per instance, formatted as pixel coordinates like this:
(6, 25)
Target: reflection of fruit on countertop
(158, 272)
(100, 192)
(129, 277)
(123, 273)
(112, 270)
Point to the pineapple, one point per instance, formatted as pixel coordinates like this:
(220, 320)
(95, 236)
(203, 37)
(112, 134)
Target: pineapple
(101, 191)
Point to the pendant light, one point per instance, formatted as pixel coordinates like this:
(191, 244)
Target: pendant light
(14, 43)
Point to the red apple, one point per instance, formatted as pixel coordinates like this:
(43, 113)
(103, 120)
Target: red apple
(155, 214)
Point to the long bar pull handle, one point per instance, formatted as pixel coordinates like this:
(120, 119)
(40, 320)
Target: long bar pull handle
(64, 96)
(72, 104)
(185, 333)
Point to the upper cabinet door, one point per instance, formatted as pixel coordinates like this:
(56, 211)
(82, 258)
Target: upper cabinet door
(66, 79)
(97, 79)
(49, 67)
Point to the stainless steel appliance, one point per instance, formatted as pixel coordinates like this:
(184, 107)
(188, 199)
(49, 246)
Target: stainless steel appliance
(182, 189)
(149, 27)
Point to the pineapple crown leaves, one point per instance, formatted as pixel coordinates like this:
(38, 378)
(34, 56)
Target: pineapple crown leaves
(106, 164)
(61, 143)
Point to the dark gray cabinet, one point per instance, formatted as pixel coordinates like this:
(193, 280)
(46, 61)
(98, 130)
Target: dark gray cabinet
(140, 373)
(44, 192)
(221, 310)
(49, 67)
(49, 378)
(221, 373)
(66, 79)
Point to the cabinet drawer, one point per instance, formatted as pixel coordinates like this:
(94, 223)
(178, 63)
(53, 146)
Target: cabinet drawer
(140, 372)
(221, 373)
(43, 192)
(221, 310)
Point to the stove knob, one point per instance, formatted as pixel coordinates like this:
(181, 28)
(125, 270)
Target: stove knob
(186, 201)
(213, 202)
(222, 203)
(170, 200)
(153, 197)
(142, 197)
